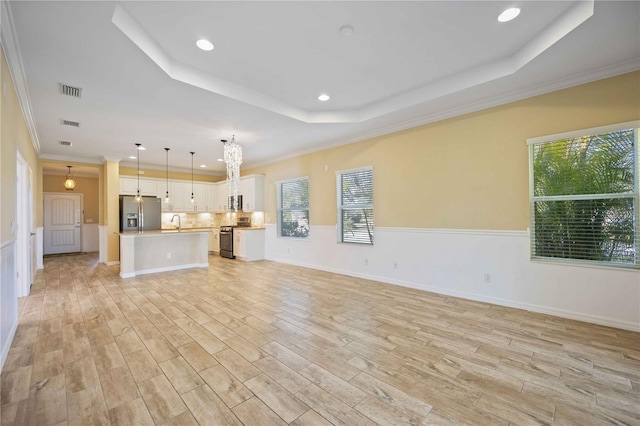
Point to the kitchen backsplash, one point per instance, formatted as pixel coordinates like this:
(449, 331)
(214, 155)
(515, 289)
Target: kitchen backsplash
(210, 220)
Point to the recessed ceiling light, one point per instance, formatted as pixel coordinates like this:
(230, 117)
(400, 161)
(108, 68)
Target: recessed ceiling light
(203, 165)
(220, 159)
(142, 148)
(324, 97)
(204, 44)
(132, 157)
(346, 30)
(509, 14)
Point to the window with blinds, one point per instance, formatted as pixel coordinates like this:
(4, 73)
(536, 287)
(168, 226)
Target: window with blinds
(293, 208)
(584, 196)
(355, 206)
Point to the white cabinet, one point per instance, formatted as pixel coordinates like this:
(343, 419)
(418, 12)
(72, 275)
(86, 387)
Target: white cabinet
(129, 186)
(239, 244)
(252, 191)
(178, 196)
(205, 197)
(221, 197)
(214, 241)
(161, 192)
(248, 244)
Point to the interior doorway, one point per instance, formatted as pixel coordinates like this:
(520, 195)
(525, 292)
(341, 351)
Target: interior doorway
(62, 223)
(25, 237)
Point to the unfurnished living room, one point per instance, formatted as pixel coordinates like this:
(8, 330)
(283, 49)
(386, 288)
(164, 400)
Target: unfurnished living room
(320, 213)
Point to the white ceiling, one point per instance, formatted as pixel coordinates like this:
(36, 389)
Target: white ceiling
(143, 79)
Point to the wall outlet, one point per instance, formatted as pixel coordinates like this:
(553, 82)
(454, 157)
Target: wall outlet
(366, 262)
(169, 255)
(487, 277)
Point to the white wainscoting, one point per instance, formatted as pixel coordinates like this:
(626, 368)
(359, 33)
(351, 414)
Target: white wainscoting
(454, 262)
(90, 237)
(103, 231)
(40, 248)
(8, 298)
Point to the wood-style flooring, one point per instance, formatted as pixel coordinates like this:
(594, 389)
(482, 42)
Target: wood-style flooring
(270, 344)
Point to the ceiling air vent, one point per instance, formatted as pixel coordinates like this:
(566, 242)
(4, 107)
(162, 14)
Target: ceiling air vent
(65, 143)
(70, 123)
(76, 92)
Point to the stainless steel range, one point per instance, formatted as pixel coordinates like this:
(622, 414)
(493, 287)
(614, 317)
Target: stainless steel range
(226, 242)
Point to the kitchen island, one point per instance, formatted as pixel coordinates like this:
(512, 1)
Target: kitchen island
(160, 251)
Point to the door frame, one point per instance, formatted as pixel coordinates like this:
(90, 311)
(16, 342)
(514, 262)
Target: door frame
(24, 222)
(44, 219)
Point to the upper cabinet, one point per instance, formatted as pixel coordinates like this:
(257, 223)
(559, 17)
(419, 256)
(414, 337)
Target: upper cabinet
(179, 193)
(252, 191)
(221, 197)
(129, 186)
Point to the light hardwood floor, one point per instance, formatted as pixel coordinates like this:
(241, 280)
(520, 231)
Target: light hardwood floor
(269, 344)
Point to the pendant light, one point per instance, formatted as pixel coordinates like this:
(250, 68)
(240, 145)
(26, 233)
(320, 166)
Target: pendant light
(138, 198)
(69, 182)
(192, 199)
(166, 198)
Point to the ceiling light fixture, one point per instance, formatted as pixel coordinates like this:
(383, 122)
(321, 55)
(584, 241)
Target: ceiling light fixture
(324, 97)
(220, 159)
(132, 157)
(166, 197)
(509, 14)
(204, 44)
(69, 182)
(203, 165)
(138, 198)
(233, 159)
(192, 199)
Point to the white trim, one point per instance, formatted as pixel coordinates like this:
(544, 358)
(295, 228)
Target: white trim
(39, 247)
(7, 243)
(583, 132)
(16, 70)
(357, 169)
(279, 182)
(70, 159)
(489, 232)
(163, 269)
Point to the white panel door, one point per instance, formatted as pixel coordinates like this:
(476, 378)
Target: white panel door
(62, 223)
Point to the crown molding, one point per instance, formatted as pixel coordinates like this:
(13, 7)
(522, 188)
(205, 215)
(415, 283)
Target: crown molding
(69, 159)
(16, 70)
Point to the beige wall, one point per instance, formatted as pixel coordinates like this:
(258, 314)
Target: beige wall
(467, 172)
(15, 137)
(88, 187)
(161, 174)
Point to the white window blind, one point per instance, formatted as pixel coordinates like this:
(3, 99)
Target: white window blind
(355, 206)
(584, 197)
(293, 208)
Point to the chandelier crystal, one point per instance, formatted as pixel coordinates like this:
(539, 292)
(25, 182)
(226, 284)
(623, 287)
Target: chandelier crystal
(233, 160)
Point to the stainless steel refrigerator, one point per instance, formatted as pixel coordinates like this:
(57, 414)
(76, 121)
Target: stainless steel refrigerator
(140, 216)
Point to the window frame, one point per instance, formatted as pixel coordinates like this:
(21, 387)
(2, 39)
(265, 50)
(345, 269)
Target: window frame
(280, 210)
(635, 196)
(341, 207)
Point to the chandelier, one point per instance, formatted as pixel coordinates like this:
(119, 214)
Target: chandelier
(233, 159)
(69, 182)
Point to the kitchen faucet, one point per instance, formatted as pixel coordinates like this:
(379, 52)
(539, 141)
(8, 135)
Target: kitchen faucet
(179, 226)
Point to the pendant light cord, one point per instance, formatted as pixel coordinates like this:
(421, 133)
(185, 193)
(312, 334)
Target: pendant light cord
(192, 175)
